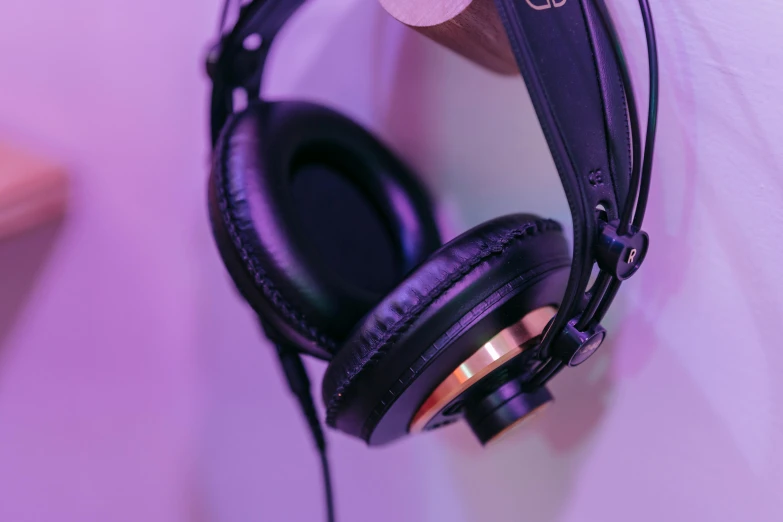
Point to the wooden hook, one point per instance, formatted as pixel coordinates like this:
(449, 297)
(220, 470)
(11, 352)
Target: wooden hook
(33, 190)
(471, 28)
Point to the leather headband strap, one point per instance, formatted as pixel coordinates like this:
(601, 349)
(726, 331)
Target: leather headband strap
(567, 62)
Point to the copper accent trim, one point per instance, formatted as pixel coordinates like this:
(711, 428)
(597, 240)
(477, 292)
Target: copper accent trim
(506, 345)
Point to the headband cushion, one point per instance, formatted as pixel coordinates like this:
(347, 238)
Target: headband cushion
(315, 219)
(492, 275)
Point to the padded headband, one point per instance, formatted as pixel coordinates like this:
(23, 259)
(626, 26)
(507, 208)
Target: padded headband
(566, 58)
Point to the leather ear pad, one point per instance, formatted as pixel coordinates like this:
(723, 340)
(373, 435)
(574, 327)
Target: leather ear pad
(315, 220)
(500, 262)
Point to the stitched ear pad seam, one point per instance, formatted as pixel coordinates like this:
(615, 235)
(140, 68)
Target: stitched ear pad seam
(293, 316)
(335, 402)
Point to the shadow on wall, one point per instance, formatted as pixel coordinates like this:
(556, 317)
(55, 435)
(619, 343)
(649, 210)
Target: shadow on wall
(749, 149)
(669, 218)
(22, 259)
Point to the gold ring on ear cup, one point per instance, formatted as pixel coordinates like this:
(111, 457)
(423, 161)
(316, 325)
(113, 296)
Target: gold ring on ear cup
(503, 347)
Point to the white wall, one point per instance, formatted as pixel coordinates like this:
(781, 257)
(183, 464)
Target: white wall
(133, 381)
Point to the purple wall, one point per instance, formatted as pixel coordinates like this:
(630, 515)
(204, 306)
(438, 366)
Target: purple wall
(134, 384)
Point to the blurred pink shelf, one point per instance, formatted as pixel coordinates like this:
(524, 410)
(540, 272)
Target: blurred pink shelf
(33, 190)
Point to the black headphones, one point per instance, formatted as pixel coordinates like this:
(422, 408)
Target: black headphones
(332, 240)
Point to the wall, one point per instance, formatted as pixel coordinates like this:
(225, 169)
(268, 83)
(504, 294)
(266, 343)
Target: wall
(133, 381)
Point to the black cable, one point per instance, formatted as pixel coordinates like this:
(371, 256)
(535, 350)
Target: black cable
(641, 175)
(548, 370)
(606, 287)
(327, 487)
(296, 375)
(609, 296)
(295, 372)
(602, 282)
(652, 117)
(633, 117)
(604, 279)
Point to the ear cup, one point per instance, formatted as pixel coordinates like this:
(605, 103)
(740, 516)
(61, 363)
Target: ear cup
(468, 291)
(315, 220)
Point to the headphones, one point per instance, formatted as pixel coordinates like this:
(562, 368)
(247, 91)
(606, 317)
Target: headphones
(331, 238)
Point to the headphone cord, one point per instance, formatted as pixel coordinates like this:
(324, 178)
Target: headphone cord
(652, 116)
(299, 383)
(641, 175)
(606, 287)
